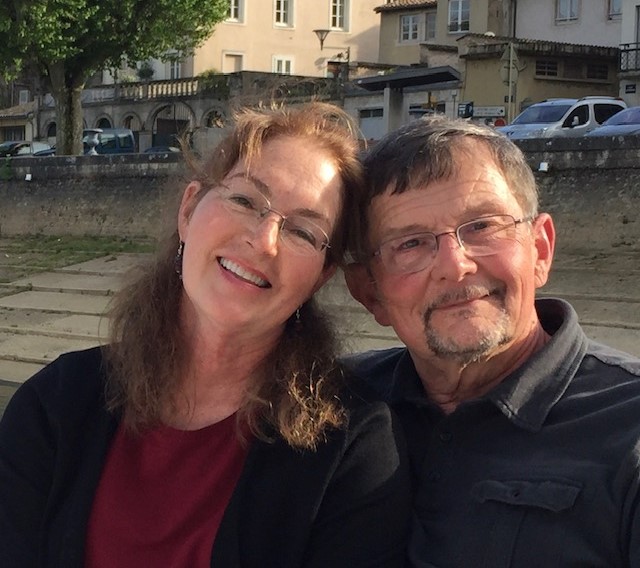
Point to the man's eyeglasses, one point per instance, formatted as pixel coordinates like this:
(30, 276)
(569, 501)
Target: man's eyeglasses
(481, 237)
(250, 207)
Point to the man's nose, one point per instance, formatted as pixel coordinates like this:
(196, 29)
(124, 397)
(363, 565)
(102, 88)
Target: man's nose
(451, 261)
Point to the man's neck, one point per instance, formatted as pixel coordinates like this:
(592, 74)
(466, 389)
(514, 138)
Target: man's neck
(449, 383)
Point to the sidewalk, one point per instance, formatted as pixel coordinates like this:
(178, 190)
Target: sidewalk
(46, 314)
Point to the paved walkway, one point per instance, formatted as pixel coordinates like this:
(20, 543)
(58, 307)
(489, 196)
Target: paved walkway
(49, 313)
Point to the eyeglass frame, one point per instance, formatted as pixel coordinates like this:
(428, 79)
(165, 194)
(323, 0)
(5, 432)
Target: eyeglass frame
(456, 233)
(263, 212)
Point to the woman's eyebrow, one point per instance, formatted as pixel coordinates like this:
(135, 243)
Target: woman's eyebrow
(263, 187)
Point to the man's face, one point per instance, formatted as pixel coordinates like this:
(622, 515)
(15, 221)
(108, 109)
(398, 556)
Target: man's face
(460, 308)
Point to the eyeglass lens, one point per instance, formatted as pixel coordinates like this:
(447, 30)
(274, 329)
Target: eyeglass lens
(300, 234)
(481, 237)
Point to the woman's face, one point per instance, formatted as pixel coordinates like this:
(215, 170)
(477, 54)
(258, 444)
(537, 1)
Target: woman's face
(243, 273)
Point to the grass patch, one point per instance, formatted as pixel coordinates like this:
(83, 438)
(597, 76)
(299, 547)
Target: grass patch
(21, 256)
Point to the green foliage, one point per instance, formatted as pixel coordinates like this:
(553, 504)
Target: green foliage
(72, 39)
(145, 71)
(212, 82)
(89, 35)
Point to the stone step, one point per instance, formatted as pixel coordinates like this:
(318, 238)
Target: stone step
(80, 283)
(23, 348)
(57, 302)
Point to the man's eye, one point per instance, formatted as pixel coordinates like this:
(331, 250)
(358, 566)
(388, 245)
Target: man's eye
(410, 243)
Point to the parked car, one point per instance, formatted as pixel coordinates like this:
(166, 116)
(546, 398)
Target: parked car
(25, 148)
(624, 123)
(162, 150)
(111, 141)
(562, 117)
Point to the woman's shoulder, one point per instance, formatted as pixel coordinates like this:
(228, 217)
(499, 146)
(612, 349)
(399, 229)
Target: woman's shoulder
(71, 384)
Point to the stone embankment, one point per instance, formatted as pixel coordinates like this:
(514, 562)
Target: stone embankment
(49, 313)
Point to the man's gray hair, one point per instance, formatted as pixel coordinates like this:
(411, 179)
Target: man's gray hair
(428, 150)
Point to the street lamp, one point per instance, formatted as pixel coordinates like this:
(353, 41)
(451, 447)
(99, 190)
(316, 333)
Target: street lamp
(343, 55)
(322, 35)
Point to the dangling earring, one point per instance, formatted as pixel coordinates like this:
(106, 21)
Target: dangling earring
(298, 319)
(177, 261)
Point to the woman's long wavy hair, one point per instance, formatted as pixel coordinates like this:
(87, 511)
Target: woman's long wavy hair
(298, 398)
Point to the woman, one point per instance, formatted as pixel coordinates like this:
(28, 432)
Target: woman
(216, 429)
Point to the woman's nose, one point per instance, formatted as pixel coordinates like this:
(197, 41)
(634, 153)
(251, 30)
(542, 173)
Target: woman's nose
(266, 234)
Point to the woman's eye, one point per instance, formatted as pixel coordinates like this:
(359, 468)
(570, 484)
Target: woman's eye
(242, 201)
(302, 234)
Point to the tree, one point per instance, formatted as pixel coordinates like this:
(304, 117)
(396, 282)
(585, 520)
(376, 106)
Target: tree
(69, 40)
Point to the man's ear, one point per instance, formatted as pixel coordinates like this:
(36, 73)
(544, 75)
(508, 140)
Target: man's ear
(363, 288)
(544, 234)
(187, 205)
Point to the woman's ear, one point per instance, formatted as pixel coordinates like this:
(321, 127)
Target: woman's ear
(187, 205)
(363, 288)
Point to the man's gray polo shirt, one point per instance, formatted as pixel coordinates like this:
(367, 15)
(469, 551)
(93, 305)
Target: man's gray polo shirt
(543, 471)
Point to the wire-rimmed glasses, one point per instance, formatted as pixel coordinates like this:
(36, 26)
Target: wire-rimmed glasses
(250, 207)
(483, 236)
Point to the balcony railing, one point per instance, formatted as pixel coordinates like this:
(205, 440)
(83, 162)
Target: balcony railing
(630, 57)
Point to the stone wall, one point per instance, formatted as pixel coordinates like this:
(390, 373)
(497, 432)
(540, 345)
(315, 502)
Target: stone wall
(592, 188)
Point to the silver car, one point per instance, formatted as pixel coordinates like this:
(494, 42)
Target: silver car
(562, 117)
(624, 123)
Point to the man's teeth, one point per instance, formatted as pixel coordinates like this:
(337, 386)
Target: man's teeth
(242, 273)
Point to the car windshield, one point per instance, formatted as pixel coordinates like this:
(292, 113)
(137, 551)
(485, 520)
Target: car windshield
(542, 114)
(628, 116)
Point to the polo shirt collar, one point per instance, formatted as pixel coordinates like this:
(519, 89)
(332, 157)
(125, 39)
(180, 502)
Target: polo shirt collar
(527, 395)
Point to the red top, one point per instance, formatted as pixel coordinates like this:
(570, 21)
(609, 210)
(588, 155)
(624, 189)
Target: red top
(162, 495)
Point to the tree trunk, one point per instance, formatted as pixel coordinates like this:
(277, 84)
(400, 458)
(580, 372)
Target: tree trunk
(69, 118)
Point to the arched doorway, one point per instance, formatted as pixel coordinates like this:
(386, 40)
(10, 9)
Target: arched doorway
(171, 123)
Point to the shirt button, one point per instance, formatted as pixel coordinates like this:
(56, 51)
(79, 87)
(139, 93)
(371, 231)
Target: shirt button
(445, 437)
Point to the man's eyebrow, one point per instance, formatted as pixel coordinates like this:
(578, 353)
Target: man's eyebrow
(474, 212)
(264, 188)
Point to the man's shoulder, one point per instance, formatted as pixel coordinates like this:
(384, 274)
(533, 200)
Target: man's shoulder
(374, 370)
(619, 362)
(368, 363)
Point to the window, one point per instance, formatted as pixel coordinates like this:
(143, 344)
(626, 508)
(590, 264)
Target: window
(282, 13)
(458, 16)
(24, 96)
(430, 25)
(567, 10)
(175, 69)
(598, 71)
(615, 9)
(236, 11)
(546, 68)
(371, 113)
(603, 112)
(577, 117)
(339, 12)
(282, 65)
(409, 25)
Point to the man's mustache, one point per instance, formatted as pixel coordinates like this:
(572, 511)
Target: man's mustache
(464, 294)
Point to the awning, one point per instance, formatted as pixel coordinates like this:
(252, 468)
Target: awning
(413, 77)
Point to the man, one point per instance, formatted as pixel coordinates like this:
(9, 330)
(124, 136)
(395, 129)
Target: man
(524, 435)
